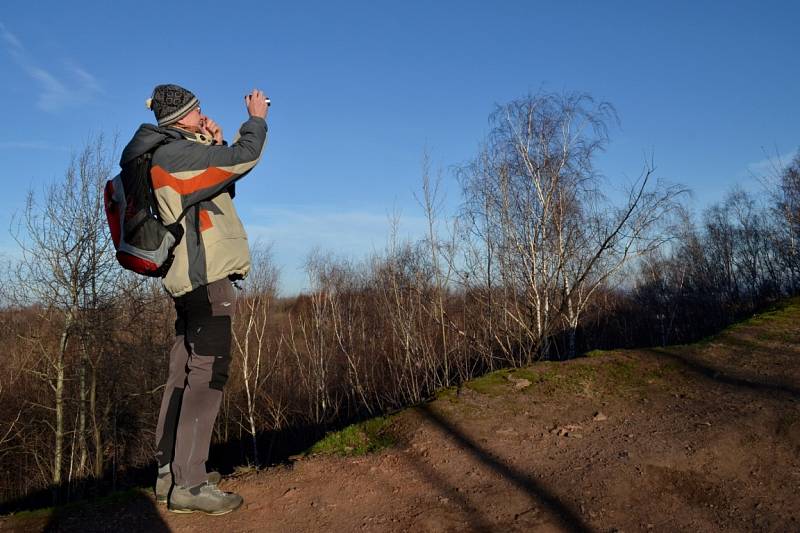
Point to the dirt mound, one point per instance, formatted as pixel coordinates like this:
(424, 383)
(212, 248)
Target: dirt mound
(704, 437)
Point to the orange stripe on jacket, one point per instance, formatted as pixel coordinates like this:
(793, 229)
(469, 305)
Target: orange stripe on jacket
(207, 178)
(205, 220)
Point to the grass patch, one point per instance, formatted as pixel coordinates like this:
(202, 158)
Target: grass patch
(663, 370)
(524, 373)
(492, 384)
(244, 469)
(577, 378)
(357, 439)
(624, 373)
(596, 353)
(448, 394)
(550, 378)
(32, 515)
(783, 313)
(777, 323)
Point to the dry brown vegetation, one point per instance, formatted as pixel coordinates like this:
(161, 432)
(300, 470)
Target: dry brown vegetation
(700, 437)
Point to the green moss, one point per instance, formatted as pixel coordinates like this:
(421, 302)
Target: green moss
(778, 323)
(32, 515)
(549, 375)
(624, 373)
(578, 378)
(524, 373)
(663, 370)
(357, 439)
(492, 384)
(552, 377)
(783, 313)
(582, 372)
(449, 394)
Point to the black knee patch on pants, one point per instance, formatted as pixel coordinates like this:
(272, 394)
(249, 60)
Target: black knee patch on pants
(209, 335)
(219, 372)
(204, 318)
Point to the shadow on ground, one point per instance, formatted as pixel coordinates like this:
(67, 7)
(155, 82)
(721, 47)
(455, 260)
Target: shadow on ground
(140, 514)
(539, 495)
(721, 375)
(90, 506)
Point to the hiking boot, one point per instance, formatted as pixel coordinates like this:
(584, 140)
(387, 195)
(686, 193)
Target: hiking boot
(205, 497)
(164, 483)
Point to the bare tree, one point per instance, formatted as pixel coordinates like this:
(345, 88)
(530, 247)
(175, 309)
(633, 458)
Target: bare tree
(250, 335)
(786, 205)
(442, 257)
(536, 194)
(67, 266)
(602, 243)
(312, 343)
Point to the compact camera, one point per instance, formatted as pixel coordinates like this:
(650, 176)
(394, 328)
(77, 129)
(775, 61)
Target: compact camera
(266, 99)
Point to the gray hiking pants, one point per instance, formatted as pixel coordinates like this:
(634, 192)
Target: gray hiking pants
(198, 370)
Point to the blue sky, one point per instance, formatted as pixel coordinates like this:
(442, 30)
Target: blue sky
(360, 89)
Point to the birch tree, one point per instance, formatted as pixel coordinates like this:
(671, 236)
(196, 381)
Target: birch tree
(251, 339)
(67, 267)
(554, 236)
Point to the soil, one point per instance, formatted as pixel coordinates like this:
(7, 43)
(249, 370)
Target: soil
(704, 437)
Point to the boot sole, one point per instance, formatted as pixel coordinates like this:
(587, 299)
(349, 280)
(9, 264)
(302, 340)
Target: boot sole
(211, 513)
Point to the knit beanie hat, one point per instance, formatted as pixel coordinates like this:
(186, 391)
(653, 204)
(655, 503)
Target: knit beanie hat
(170, 103)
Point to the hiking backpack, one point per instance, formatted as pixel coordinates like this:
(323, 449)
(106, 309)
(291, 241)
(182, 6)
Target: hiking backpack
(144, 244)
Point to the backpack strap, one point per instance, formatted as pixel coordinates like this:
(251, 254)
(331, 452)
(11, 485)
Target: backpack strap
(175, 228)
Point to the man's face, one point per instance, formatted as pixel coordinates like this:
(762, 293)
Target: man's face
(193, 120)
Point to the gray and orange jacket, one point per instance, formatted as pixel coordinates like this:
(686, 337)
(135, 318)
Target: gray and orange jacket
(190, 174)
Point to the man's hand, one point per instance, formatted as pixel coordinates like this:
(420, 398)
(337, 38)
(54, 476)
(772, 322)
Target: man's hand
(210, 128)
(256, 104)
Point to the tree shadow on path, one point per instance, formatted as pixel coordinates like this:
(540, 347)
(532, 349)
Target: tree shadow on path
(726, 376)
(472, 513)
(563, 514)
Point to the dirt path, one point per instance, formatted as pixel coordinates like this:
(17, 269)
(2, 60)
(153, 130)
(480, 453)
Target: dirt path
(696, 438)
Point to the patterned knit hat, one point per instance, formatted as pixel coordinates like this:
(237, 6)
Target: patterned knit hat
(170, 103)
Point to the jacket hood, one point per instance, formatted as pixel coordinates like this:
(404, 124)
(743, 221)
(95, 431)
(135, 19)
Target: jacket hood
(145, 139)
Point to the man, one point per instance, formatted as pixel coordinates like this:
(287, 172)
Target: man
(194, 171)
